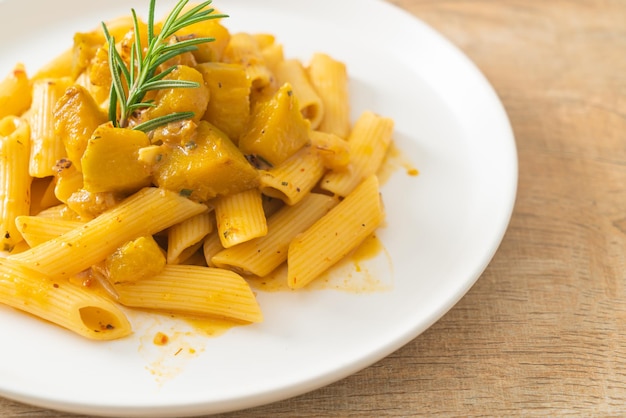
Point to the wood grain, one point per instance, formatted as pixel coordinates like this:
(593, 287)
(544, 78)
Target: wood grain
(543, 332)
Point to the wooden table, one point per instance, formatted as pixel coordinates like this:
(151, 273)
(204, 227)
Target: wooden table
(543, 332)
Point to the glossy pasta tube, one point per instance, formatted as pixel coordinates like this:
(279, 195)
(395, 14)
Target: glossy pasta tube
(329, 77)
(262, 255)
(211, 246)
(46, 148)
(39, 229)
(79, 310)
(368, 141)
(294, 178)
(240, 217)
(185, 235)
(194, 290)
(145, 213)
(291, 71)
(335, 235)
(15, 93)
(14, 179)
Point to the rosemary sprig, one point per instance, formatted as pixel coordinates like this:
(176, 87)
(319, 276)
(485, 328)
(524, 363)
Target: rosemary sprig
(131, 83)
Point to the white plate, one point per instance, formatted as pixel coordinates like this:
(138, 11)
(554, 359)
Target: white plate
(443, 225)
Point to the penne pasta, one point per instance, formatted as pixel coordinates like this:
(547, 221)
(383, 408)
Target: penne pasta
(329, 77)
(183, 237)
(262, 255)
(193, 290)
(292, 180)
(211, 246)
(39, 229)
(15, 93)
(117, 151)
(292, 72)
(15, 183)
(336, 234)
(368, 143)
(83, 312)
(240, 217)
(46, 147)
(146, 212)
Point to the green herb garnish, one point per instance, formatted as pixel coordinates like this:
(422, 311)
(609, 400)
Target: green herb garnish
(131, 82)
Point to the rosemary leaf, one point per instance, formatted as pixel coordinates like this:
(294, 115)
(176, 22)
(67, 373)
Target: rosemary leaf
(162, 121)
(131, 82)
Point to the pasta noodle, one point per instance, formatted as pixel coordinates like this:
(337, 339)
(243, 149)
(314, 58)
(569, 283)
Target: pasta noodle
(185, 235)
(329, 77)
(194, 290)
(368, 143)
(38, 229)
(148, 211)
(46, 147)
(14, 179)
(85, 313)
(240, 217)
(335, 235)
(236, 162)
(262, 255)
(294, 178)
(15, 93)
